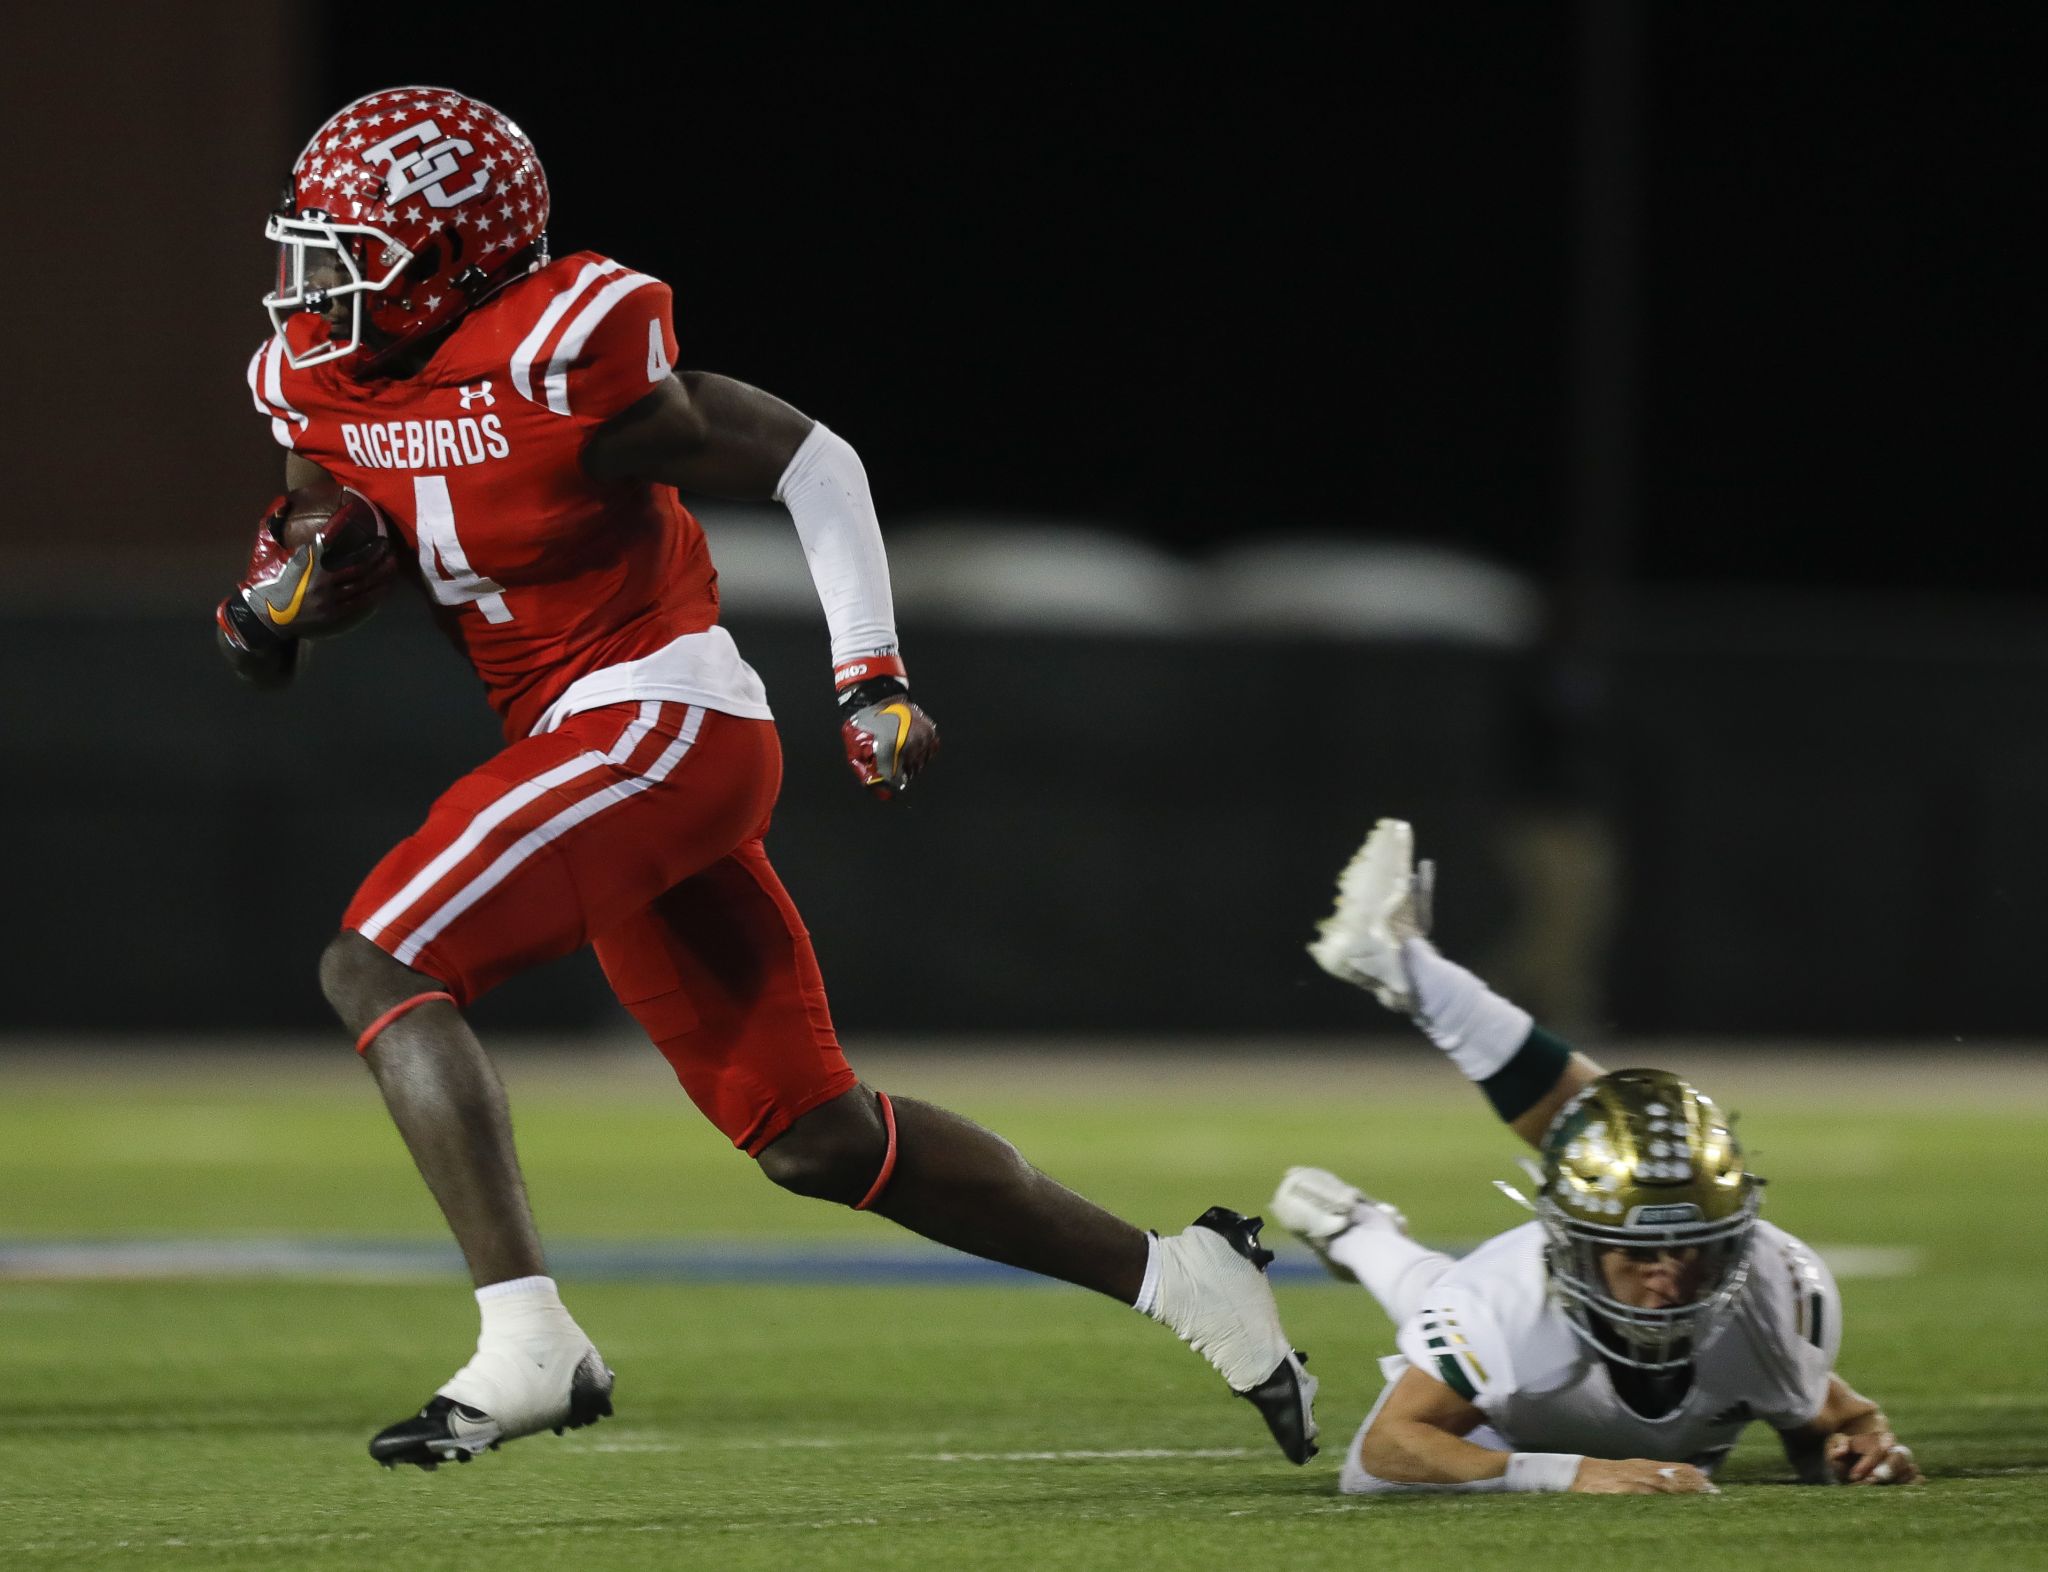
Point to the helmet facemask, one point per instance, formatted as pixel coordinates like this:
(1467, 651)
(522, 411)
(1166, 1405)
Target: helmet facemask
(350, 261)
(1640, 1161)
(1660, 1339)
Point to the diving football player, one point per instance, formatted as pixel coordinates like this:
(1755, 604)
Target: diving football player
(514, 423)
(1621, 1341)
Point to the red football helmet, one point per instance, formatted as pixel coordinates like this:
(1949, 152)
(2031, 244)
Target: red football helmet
(419, 201)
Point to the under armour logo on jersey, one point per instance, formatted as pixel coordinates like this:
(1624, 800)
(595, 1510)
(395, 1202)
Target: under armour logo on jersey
(481, 391)
(425, 168)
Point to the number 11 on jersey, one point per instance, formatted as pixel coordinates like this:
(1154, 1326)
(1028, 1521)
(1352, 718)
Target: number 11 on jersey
(442, 559)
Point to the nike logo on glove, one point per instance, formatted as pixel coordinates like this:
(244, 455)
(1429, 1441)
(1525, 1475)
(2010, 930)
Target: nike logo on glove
(902, 713)
(290, 612)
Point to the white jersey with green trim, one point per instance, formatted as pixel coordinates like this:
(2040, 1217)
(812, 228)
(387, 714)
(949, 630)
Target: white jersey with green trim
(1490, 1329)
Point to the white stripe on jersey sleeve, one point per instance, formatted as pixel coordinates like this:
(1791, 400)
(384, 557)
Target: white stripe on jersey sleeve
(579, 334)
(266, 389)
(529, 348)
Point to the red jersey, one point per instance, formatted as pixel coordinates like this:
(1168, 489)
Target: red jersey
(543, 575)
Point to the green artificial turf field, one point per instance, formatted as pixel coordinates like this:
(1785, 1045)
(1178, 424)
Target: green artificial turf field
(200, 1421)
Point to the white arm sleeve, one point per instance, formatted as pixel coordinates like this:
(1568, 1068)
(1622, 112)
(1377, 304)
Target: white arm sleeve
(826, 491)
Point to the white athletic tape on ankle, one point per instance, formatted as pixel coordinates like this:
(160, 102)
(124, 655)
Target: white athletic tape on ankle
(518, 1285)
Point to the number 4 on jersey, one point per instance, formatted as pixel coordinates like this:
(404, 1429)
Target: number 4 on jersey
(442, 559)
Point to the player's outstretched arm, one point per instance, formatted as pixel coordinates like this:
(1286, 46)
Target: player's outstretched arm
(709, 434)
(1417, 1441)
(1849, 1442)
(1377, 939)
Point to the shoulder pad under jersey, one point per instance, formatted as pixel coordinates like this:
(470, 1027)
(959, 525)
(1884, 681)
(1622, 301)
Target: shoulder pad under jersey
(602, 337)
(1455, 1337)
(1790, 1317)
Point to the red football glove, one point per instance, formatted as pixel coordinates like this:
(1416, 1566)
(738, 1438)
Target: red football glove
(888, 739)
(325, 585)
(330, 580)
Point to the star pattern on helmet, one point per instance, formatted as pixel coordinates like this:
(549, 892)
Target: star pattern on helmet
(501, 205)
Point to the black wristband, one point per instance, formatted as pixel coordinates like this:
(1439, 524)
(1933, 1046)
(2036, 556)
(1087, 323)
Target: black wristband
(875, 690)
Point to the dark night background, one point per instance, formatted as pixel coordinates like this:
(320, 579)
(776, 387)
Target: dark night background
(1714, 326)
(1216, 278)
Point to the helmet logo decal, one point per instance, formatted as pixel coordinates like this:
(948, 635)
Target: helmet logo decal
(1655, 1216)
(425, 168)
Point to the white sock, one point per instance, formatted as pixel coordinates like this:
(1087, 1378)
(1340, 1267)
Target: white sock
(1474, 1025)
(1148, 1291)
(526, 1355)
(1387, 1263)
(521, 1309)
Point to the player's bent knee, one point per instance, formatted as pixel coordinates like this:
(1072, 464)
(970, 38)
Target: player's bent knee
(833, 1152)
(360, 980)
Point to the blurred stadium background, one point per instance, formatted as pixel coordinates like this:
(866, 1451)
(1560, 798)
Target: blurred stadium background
(1596, 433)
(1602, 433)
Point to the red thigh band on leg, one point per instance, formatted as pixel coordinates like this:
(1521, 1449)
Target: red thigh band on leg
(888, 1157)
(406, 1007)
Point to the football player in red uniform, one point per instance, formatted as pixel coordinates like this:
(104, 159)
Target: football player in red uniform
(515, 424)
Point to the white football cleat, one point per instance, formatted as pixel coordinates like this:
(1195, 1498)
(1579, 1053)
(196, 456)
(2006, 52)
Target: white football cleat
(1316, 1206)
(1382, 903)
(1213, 1293)
(503, 1393)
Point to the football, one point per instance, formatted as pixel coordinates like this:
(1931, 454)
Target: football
(354, 571)
(359, 531)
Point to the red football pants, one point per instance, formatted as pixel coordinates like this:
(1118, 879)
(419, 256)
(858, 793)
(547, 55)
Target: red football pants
(636, 828)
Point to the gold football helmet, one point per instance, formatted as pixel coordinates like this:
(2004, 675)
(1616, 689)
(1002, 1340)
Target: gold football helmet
(1642, 1162)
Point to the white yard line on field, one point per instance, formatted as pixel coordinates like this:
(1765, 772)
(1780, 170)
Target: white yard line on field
(1141, 1454)
(1870, 1260)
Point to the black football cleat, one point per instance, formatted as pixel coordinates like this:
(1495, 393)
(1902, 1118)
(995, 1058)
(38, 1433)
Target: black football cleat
(1286, 1397)
(1286, 1400)
(446, 1431)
